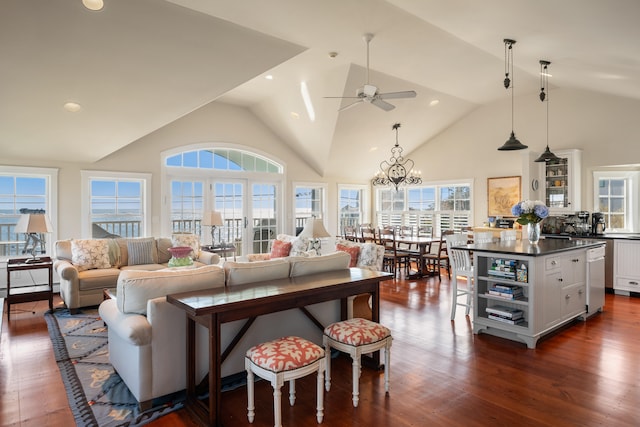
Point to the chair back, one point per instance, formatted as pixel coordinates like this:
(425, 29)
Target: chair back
(483, 237)
(406, 231)
(350, 233)
(460, 259)
(508, 235)
(368, 234)
(425, 231)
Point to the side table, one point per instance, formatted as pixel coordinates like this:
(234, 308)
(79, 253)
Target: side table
(36, 292)
(223, 250)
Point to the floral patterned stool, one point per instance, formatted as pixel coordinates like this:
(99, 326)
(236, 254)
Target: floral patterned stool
(280, 360)
(357, 337)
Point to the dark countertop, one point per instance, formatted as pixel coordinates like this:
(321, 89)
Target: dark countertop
(523, 247)
(626, 236)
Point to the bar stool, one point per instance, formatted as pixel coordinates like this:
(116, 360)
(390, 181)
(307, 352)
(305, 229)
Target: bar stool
(280, 360)
(357, 337)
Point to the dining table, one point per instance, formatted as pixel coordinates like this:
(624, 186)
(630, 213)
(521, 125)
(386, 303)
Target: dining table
(423, 243)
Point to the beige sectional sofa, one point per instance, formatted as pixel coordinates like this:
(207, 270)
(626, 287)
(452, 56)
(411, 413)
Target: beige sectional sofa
(83, 287)
(147, 334)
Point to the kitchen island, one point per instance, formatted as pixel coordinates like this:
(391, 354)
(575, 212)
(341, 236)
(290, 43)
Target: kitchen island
(524, 291)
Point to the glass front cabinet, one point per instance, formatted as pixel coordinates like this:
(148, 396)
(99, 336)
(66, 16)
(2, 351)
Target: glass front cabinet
(560, 181)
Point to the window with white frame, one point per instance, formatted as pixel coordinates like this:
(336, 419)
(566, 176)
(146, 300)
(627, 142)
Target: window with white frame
(24, 190)
(309, 202)
(442, 206)
(616, 196)
(187, 205)
(115, 204)
(352, 206)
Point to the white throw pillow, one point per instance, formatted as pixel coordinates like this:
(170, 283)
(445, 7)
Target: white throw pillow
(90, 253)
(190, 240)
(299, 245)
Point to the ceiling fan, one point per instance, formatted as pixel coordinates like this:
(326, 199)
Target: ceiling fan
(369, 93)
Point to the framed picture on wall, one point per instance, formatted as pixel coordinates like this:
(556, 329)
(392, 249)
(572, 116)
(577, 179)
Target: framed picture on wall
(503, 193)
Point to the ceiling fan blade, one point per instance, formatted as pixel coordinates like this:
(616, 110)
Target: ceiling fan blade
(343, 97)
(350, 105)
(382, 104)
(398, 95)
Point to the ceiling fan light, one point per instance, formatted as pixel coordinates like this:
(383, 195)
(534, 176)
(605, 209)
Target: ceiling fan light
(512, 144)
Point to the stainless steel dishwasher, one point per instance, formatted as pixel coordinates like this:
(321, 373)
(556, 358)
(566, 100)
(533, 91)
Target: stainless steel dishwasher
(595, 280)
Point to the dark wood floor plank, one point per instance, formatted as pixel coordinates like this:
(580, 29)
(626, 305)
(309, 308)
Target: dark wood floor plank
(585, 374)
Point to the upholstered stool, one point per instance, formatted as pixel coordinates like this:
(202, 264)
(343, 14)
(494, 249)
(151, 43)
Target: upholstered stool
(284, 359)
(357, 337)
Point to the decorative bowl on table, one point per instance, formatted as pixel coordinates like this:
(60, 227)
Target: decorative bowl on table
(180, 256)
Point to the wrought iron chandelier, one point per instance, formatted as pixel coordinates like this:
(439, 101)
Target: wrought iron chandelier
(397, 170)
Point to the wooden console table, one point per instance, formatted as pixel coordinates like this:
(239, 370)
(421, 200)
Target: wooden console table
(214, 307)
(37, 292)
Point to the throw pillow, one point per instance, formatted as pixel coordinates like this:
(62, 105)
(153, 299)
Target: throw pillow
(353, 251)
(368, 256)
(90, 253)
(280, 249)
(190, 240)
(258, 257)
(140, 251)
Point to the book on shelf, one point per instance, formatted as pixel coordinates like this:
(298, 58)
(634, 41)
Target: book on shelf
(506, 320)
(505, 295)
(506, 291)
(507, 312)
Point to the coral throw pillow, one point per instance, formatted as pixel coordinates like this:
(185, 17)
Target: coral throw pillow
(280, 249)
(354, 251)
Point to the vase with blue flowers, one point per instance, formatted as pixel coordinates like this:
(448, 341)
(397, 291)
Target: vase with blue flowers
(530, 213)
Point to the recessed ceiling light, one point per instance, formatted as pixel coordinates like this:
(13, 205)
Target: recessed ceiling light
(434, 102)
(268, 77)
(373, 149)
(72, 107)
(93, 4)
(295, 115)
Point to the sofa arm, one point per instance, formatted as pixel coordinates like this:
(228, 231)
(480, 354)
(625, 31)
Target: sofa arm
(131, 328)
(65, 269)
(208, 258)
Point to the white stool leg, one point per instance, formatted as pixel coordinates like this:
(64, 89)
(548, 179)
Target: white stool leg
(327, 352)
(277, 408)
(469, 287)
(250, 395)
(356, 378)
(454, 295)
(387, 364)
(320, 392)
(292, 392)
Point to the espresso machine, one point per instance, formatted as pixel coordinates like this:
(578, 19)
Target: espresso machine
(597, 223)
(582, 224)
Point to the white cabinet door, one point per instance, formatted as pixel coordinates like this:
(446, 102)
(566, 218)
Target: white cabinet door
(560, 182)
(626, 269)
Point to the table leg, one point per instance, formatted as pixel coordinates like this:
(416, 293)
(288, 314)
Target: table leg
(51, 288)
(215, 395)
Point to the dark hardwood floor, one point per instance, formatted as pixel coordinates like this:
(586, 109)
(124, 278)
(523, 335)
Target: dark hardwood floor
(587, 374)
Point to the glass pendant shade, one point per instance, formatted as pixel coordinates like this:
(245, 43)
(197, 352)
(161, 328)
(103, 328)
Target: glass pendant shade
(512, 144)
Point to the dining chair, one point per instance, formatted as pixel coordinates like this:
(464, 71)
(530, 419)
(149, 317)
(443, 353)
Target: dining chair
(438, 257)
(350, 233)
(368, 234)
(460, 261)
(508, 235)
(394, 259)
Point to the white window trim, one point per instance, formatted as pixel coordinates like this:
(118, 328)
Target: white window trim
(52, 199)
(366, 197)
(85, 208)
(632, 196)
(325, 192)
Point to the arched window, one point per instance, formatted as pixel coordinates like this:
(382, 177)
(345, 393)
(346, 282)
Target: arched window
(244, 186)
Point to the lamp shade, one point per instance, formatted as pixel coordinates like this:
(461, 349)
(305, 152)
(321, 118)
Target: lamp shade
(34, 223)
(212, 218)
(314, 229)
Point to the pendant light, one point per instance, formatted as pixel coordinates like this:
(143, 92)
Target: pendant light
(512, 143)
(547, 156)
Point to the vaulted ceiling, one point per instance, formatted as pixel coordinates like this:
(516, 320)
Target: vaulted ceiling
(136, 66)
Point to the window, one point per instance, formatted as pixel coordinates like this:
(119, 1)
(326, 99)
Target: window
(115, 204)
(352, 203)
(187, 202)
(24, 189)
(442, 206)
(224, 159)
(614, 197)
(309, 202)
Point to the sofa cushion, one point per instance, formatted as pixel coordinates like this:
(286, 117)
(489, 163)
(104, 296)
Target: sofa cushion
(163, 244)
(301, 266)
(90, 253)
(238, 273)
(97, 279)
(185, 239)
(140, 251)
(136, 287)
(353, 251)
(280, 249)
(124, 252)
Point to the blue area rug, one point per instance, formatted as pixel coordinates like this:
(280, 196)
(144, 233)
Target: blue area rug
(97, 395)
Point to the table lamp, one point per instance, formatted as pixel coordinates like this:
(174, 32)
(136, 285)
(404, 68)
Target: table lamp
(33, 225)
(212, 219)
(314, 230)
